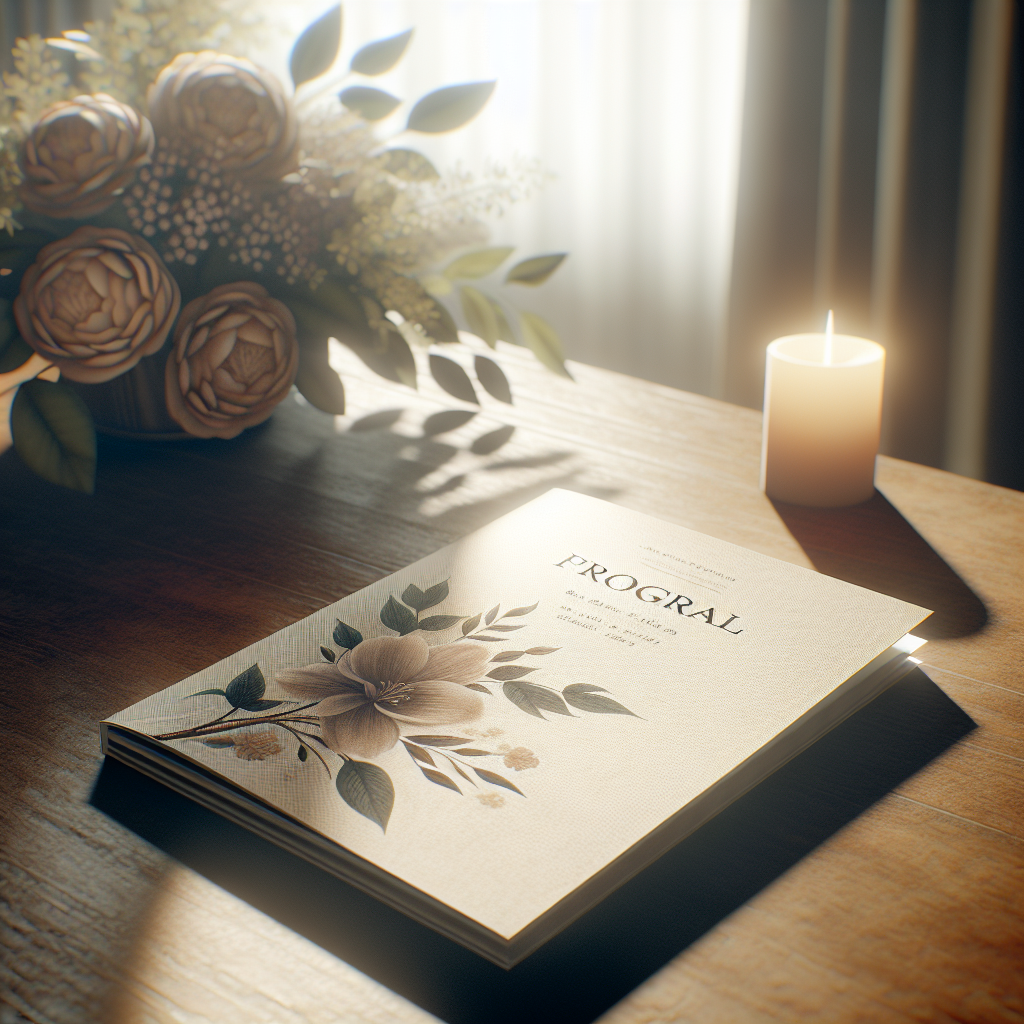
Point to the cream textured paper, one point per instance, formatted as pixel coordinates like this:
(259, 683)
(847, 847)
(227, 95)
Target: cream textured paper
(705, 689)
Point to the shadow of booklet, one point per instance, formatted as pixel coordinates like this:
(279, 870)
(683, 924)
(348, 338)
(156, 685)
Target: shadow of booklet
(633, 932)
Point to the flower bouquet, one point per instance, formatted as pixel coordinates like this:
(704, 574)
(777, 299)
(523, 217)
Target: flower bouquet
(182, 235)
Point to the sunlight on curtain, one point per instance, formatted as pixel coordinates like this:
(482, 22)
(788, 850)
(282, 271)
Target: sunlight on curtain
(634, 106)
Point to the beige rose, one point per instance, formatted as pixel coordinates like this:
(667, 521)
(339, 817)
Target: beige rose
(228, 109)
(234, 358)
(80, 154)
(96, 302)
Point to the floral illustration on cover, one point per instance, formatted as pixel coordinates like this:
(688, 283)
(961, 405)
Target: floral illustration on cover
(371, 694)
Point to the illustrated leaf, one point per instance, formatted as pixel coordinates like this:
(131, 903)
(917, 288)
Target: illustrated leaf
(54, 434)
(489, 617)
(492, 441)
(421, 600)
(436, 594)
(506, 629)
(461, 772)
(479, 688)
(413, 597)
(439, 779)
(328, 654)
(314, 51)
(408, 165)
(510, 672)
(504, 328)
(479, 313)
(317, 382)
(264, 705)
(583, 688)
(453, 378)
(370, 104)
(200, 693)
(381, 55)
(508, 655)
(367, 789)
(535, 270)
(433, 623)
(533, 699)
(543, 650)
(522, 611)
(219, 741)
(397, 617)
(446, 109)
(246, 688)
(479, 263)
(438, 741)
(489, 639)
(345, 636)
(493, 379)
(497, 780)
(543, 341)
(418, 753)
(442, 422)
(596, 704)
(302, 753)
(470, 752)
(470, 624)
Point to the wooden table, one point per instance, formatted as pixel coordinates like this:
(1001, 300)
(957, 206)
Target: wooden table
(893, 898)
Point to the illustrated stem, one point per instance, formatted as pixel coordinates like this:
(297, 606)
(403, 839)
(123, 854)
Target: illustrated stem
(300, 736)
(218, 725)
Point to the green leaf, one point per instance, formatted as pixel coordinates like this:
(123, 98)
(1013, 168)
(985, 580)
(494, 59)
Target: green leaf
(369, 104)
(535, 270)
(489, 618)
(54, 434)
(438, 741)
(315, 50)
(381, 55)
(202, 693)
(219, 741)
(345, 636)
(504, 330)
(452, 378)
(391, 358)
(479, 313)
(317, 382)
(470, 624)
(477, 686)
(510, 672)
(594, 703)
(508, 656)
(534, 699)
(506, 629)
(470, 752)
(525, 610)
(397, 617)
(367, 789)
(246, 688)
(497, 780)
(439, 779)
(444, 110)
(441, 327)
(413, 597)
(435, 595)
(418, 753)
(479, 263)
(328, 654)
(15, 353)
(543, 341)
(543, 650)
(493, 379)
(407, 164)
(583, 688)
(438, 622)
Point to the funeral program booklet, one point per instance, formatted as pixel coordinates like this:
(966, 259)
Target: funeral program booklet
(494, 738)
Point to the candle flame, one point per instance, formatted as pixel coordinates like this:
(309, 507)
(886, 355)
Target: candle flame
(828, 339)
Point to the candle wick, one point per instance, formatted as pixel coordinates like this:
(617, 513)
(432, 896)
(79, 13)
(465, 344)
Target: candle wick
(828, 339)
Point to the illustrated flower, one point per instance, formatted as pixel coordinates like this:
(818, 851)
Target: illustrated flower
(387, 680)
(491, 799)
(520, 758)
(256, 746)
(228, 109)
(96, 302)
(234, 358)
(80, 154)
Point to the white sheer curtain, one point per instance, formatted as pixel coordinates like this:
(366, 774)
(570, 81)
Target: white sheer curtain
(635, 107)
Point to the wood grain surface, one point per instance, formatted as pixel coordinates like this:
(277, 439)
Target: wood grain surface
(899, 895)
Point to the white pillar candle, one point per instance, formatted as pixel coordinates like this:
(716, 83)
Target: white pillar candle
(822, 418)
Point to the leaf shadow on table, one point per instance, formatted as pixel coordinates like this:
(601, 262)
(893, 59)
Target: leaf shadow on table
(616, 946)
(874, 546)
